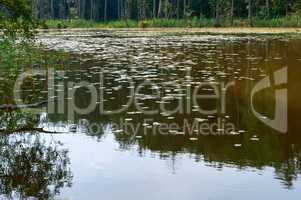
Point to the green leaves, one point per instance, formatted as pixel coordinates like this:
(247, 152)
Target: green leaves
(16, 19)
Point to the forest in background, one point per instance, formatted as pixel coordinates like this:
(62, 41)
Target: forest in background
(164, 13)
(107, 10)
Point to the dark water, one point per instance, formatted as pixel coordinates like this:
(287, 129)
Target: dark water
(231, 153)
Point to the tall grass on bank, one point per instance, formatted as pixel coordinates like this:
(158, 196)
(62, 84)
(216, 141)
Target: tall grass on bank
(80, 23)
(293, 21)
(195, 22)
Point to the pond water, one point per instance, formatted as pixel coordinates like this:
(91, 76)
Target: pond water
(154, 115)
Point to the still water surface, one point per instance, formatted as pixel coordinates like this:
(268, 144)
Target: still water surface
(105, 161)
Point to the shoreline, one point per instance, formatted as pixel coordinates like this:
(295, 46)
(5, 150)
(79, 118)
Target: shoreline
(209, 30)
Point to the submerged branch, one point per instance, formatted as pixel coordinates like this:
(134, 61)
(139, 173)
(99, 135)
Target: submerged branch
(15, 107)
(25, 129)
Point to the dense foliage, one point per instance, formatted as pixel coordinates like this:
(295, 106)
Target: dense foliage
(19, 53)
(16, 18)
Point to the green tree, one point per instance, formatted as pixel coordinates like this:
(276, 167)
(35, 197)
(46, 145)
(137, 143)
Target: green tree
(16, 18)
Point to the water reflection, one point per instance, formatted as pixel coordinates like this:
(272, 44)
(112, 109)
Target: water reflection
(164, 61)
(112, 61)
(32, 167)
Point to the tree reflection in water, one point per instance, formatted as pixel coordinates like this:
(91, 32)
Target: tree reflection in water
(32, 167)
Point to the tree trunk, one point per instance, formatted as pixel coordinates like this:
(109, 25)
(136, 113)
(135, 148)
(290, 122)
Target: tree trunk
(118, 9)
(232, 12)
(267, 4)
(159, 8)
(166, 9)
(42, 12)
(178, 9)
(154, 8)
(250, 12)
(77, 4)
(128, 10)
(83, 9)
(184, 8)
(217, 17)
(106, 10)
(286, 7)
(91, 9)
(140, 5)
(143, 14)
(33, 8)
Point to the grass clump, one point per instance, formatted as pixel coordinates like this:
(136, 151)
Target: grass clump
(289, 21)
